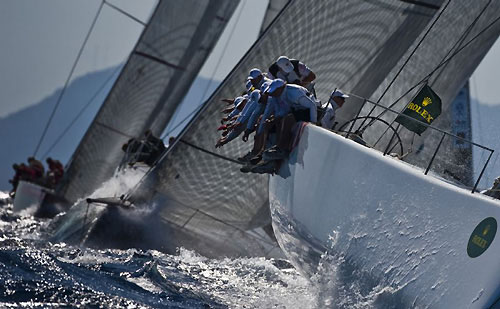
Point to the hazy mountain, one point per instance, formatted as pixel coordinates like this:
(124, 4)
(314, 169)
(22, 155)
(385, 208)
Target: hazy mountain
(20, 132)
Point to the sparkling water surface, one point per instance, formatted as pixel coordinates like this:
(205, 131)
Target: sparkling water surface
(38, 274)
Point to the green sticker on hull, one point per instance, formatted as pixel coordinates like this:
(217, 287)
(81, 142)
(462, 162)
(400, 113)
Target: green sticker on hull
(482, 237)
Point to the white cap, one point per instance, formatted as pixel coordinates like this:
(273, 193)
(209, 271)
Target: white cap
(284, 64)
(248, 85)
(254, 73)
(275, 84)
(339, 93)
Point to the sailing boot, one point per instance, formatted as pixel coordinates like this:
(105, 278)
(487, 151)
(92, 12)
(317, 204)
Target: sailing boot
(246, 158)
(274, 153)
(264, 167)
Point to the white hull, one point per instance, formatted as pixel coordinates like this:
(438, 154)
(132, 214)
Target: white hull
(28, 196)
(38, 200)
(387, 220)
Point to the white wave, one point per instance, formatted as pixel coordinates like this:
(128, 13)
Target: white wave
(243, 282)
(121, 182)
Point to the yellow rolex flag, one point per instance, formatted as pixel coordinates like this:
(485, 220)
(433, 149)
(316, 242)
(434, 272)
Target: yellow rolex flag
(424, 108)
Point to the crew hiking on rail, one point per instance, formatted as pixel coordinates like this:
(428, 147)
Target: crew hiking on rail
(274, 105)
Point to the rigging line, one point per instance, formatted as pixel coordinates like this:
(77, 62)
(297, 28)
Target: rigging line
(80, 113)
(443, 63)
(406, 62)
(113, 129)
(257, 236)
(463, 37)
(210, 152)
(125, 13)
(424, 124)
(61, 94)
(216, 67)
(182, 121)
(464, 46)
(414, 51)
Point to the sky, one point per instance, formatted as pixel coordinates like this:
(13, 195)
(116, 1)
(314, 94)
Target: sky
(485, 79)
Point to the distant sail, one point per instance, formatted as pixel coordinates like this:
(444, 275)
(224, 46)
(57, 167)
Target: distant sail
(159, 71)
(461, 125)
(349, 44)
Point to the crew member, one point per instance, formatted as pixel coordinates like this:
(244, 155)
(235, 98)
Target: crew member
(55, 172)
(38, 168)
(336, 100)
(292, 71)
(495, 189)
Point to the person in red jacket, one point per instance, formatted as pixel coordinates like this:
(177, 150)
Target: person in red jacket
(23, 172)
(55, 172)
(39, 170)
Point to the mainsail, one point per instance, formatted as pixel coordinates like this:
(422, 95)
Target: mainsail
(350, 44)
(158, 73)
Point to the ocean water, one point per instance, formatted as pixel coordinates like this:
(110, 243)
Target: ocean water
(38, 274)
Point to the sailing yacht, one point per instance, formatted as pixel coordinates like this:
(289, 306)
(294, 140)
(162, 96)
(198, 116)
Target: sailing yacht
(414, 222)
(415, 231)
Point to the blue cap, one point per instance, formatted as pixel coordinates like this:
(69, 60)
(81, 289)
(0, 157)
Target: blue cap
(254, 73)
